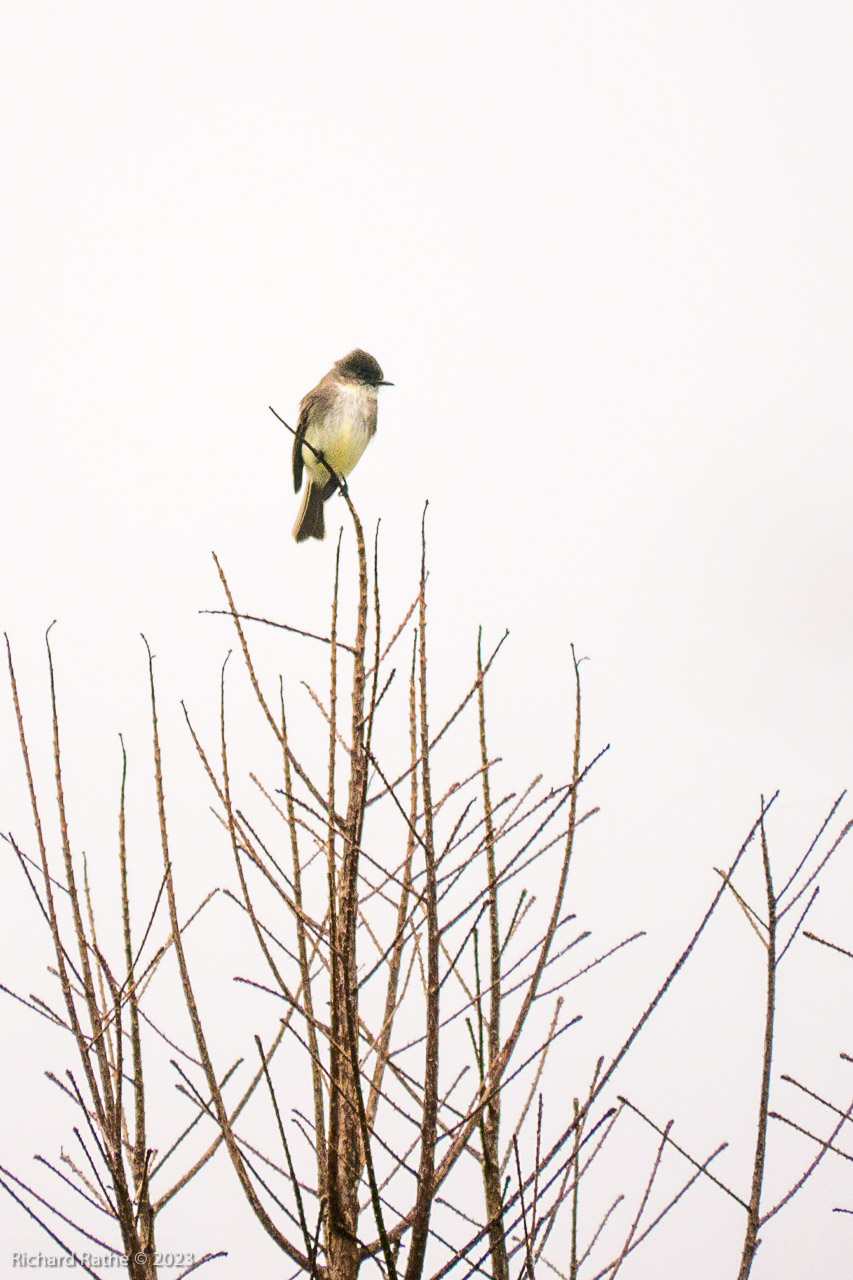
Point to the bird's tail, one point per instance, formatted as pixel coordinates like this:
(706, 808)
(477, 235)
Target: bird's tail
(310, 522)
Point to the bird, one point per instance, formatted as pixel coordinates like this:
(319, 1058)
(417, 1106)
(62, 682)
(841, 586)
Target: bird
(338, 419)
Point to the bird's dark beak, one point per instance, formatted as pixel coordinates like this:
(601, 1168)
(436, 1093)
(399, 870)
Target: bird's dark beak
(385, 384)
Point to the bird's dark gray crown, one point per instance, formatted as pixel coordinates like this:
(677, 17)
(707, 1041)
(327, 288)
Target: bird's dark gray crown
(358, 366)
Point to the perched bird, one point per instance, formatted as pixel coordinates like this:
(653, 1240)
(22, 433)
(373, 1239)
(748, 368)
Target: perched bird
(337, 419)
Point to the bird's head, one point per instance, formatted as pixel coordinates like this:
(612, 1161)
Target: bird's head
(358, 366)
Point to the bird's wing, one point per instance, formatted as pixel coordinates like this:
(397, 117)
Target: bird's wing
(301, 427)
(370, 418)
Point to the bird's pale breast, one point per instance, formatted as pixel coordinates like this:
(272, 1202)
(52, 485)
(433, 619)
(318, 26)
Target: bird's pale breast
(343, 433)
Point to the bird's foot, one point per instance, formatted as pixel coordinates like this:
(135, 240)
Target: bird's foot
(339, 480)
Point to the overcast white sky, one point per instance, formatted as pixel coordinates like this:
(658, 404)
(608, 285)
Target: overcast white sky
(604, 252)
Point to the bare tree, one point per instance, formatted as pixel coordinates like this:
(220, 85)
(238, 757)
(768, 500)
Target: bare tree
(422, 983)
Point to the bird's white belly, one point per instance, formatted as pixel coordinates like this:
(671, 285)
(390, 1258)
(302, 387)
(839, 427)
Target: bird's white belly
(342, 436)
